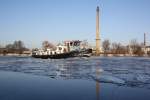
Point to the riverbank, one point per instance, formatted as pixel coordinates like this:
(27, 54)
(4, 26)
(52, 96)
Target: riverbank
(14, 54)
(122, 55)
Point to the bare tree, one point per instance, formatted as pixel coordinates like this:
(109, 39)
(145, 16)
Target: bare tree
(2, 50)
(115, 47)
(16, 47)
(9, 48)
(47, 45)
(148, 53)
(136, 48)
(118, 48)
(133, 45)
(106, 46)
(18, 44)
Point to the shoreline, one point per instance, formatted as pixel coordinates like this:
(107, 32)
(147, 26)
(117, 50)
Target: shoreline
(19, 55)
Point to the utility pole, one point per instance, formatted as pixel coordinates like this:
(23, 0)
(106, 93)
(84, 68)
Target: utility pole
(97, 33)
(145, 50)
(145, 39)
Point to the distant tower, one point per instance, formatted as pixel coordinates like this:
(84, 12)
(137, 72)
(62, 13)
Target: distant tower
(144, 39)
(97, 32)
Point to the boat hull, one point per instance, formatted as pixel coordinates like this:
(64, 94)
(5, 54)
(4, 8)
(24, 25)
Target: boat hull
(57, 56)
(65, 55)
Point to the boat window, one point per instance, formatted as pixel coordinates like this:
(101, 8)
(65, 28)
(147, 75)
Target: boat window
(60, 48)
(65, 50)
(71, 43)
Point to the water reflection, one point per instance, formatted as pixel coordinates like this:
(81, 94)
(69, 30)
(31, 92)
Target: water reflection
(97, 90)
(97, 83)
(74, 69)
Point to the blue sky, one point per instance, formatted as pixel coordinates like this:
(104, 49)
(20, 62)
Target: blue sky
(34, 21)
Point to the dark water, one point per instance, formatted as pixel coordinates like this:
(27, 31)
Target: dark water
(95, 78)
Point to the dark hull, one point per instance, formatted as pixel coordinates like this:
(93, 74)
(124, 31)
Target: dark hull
(57, 56)
(64, 55)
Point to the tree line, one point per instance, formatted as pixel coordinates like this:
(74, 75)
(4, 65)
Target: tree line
(17, 47)
(133, 48)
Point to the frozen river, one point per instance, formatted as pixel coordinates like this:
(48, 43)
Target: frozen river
(126, 73)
